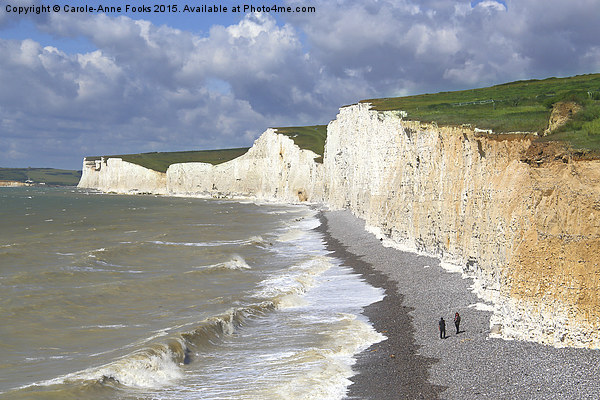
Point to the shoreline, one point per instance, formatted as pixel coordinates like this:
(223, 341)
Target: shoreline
(468, 365)
(393, 363)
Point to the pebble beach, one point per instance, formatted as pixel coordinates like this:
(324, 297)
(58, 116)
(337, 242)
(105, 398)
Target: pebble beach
(414, 363)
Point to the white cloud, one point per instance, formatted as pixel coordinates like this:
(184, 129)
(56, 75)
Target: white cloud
(151, 87)
(28, 57)
(468, 73)
(251, 27)
(491, 5)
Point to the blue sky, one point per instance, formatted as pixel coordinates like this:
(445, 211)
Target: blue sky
(77, 84)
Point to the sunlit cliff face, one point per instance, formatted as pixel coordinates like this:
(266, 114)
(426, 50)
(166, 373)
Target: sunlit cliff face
(527, 229)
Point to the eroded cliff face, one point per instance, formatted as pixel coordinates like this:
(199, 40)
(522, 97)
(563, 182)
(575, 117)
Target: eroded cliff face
(118, 176)
(273, 169)
(529, 232)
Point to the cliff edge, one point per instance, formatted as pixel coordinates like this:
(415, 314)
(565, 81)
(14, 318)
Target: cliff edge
(273, 169)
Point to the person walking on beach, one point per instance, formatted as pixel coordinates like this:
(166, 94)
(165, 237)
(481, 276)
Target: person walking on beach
(457, 322)
(442, 324)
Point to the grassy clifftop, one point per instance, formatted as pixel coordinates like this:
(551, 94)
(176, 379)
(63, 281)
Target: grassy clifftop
(308, 137)
(161, 161)
(49, 176)
(522, 106)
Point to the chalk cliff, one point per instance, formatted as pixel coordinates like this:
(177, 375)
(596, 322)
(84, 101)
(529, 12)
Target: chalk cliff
(273, 169)
(116, 175)
(521, 218)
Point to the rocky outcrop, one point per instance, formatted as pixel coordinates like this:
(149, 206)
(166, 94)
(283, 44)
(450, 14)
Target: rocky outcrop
(522, 218)
(561, 114)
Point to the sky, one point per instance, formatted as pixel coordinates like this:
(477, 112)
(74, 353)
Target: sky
(76, 84)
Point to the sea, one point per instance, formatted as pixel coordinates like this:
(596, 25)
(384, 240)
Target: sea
(107, 296)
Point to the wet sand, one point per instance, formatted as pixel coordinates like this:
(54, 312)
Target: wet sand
(414, 363)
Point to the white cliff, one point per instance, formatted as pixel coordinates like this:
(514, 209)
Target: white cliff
(118, 176)
(273, 169)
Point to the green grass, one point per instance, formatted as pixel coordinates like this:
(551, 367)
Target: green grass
(49, 176)
(160, 161)
(522, 106)
(308, 138)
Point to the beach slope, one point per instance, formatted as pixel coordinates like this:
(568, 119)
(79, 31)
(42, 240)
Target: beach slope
(414, 363)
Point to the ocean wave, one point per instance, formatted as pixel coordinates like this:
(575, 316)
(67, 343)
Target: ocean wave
(152, 367)
(237, 262)
(87, 268)
(162, 354)
(258, 241)
(99, 250)
(119, 268)
(284, 288)
(160, 364)
(291, 235)
(253, 240)
(326, 371)
(218, 326)
(76, 268)
(104, 326)
(203, 224)
(198, 244)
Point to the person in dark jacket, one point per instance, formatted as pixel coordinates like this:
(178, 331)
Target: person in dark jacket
(442, 324)
(457, 322)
